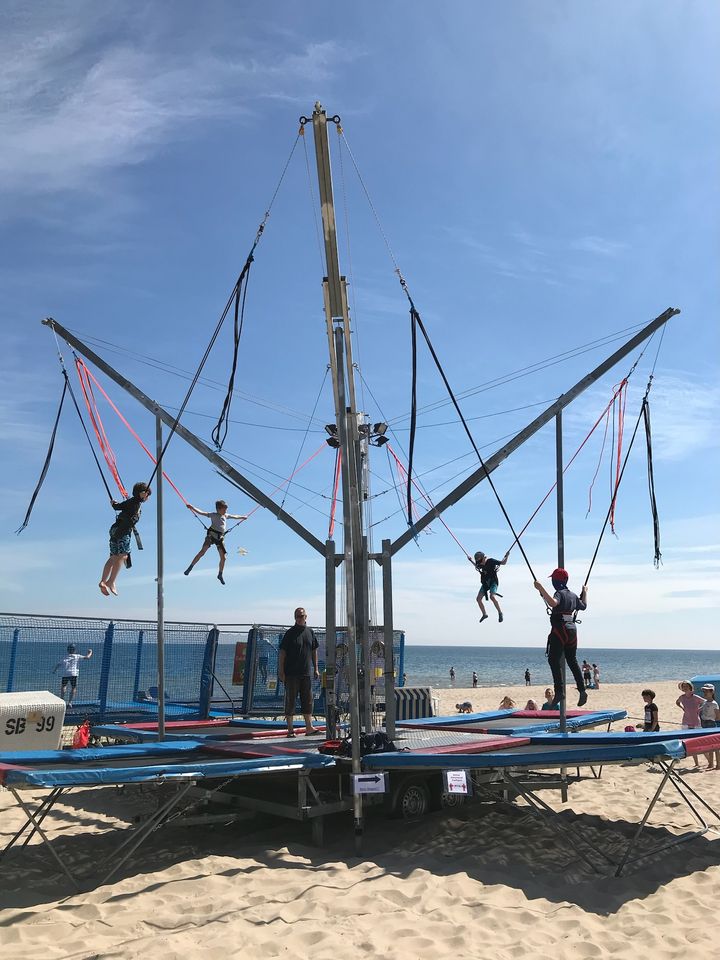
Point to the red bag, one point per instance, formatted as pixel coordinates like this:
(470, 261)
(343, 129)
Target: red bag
(82, 735)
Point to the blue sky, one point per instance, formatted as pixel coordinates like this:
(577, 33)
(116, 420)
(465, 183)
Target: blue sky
(546, 175)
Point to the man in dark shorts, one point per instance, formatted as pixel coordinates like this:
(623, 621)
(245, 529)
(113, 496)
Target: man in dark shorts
(563, 632)
(297, 667)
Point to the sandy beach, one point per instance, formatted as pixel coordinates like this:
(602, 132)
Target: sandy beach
(485, 882)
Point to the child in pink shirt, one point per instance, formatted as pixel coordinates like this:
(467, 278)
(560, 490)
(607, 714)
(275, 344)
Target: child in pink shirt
(690, 704)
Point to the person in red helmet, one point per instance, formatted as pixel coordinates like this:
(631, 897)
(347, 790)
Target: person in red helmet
(562, 638)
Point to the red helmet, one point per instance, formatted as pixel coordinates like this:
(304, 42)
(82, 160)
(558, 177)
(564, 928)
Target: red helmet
(560, 574)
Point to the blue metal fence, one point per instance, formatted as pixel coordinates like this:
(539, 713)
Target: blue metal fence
(208, 668)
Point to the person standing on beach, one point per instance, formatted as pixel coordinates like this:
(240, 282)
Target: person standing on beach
(596, 676)
(709, 716)
(690, 704)
(651, 723)
(474, 679)
(488, 570)
(297, 666)
(587, 675)
(562, 638)
(70, 669)
(527, 676)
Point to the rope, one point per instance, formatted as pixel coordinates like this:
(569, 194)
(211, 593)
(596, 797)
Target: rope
(430, 503)
(91, 377)
(233, 297)
(619, 480)
(323, 446)
(312, 201)
(46, 464)
(307, 429)
(98, 426)
(336, 485)
(416, 320)
(567, 466)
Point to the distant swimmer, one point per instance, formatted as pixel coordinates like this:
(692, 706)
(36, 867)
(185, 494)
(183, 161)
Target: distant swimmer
(562, 638)
(488, 570)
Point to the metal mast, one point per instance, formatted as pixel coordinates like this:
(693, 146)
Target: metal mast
(347, 418)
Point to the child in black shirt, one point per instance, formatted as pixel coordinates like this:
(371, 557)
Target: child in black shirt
(128, 515)
(651, 722)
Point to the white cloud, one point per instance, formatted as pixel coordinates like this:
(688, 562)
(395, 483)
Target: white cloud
(599, 245)
(76, 105)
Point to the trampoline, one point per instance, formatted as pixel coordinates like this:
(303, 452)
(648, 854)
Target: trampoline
(184, 764)
(518, 762)
(522, 721)
(216, 727)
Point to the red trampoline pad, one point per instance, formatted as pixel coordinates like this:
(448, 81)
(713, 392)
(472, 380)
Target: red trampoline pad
(478, 746)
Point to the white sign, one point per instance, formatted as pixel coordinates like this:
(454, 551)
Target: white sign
(368, 783)
(456, 781)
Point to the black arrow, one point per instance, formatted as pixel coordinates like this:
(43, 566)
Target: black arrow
(376, 779)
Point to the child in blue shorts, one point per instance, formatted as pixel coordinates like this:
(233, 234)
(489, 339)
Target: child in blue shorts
(120, 532)
(488, 570)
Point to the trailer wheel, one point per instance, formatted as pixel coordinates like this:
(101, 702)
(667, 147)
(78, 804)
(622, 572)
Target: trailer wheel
(412, 800)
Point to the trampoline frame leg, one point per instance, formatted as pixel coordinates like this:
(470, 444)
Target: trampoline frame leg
(671, 775)
(36, 820)
(143, 830)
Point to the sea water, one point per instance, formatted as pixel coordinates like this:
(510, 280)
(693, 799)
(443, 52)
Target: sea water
(430, 665)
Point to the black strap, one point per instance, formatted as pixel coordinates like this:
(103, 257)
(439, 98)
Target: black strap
(219, 432)
(48, 457)
(657, 560)
(417, 322)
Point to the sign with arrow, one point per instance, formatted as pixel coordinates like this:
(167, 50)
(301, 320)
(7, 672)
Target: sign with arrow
(369, 783)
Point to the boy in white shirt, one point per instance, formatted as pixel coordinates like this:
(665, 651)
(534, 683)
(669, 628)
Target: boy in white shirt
(215, 534)
(71, 668)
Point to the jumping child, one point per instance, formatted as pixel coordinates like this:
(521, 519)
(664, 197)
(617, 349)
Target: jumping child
(128, 516)
(488, 570)
(215, 534)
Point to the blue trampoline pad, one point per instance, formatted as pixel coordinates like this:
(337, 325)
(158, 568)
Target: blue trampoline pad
(532, 756)
(189, 765)
(92, 754)
(509, 721)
